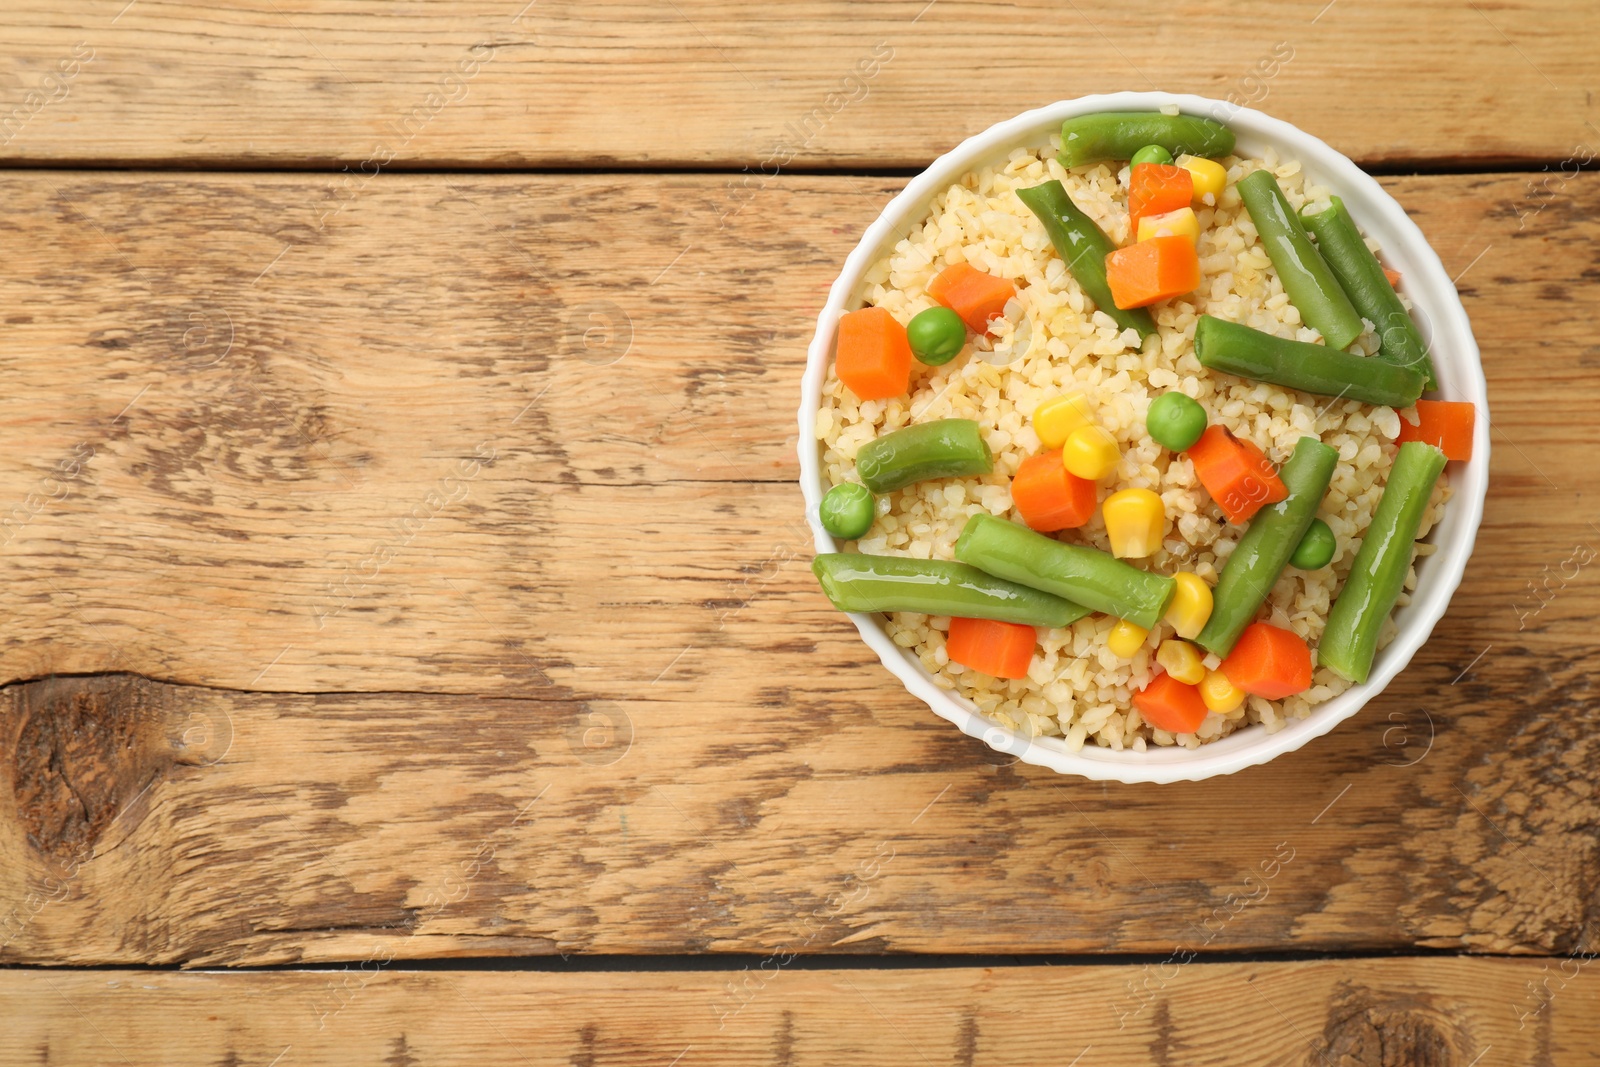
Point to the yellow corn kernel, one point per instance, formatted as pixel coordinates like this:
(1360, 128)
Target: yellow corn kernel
(1090, 452)
(1126, 639)
(1054, 420)
(1136, 521)
(1182, 661)
(1179, 223)
(1209, 175)
(1191, 605)
(1219, 694)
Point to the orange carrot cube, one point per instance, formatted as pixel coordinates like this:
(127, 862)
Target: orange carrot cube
(1445, 424)
(1051, 497)
(1237, 474)
(873, 358)
(1171, 705)
(1269, 661)
(969, 292)
(1153, 270)
(1001, 649)
(1156, 188)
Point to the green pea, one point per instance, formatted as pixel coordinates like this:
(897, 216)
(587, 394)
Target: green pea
(847, 511)
(1175, 421)
(1151, 153)
(1316, 548)
(937, 335)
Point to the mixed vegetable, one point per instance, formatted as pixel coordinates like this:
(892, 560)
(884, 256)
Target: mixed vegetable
(1272, 538)
(858, 582)
(1310, 283)
(1086, 251)
(1236, 349)
(1369, 287)
(1009, 578)
(944, 448)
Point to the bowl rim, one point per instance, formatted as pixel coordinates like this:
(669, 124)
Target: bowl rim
(1431, 291)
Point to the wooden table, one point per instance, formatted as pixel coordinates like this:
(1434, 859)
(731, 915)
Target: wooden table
(407, 589)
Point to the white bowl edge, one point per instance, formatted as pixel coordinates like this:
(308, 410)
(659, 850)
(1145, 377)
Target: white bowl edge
(1460, 371)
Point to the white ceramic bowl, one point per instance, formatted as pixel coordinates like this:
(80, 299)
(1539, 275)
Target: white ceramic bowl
(1443, 322)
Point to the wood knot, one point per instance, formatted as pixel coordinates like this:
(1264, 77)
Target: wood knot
(82, 750)
(1375, 1028)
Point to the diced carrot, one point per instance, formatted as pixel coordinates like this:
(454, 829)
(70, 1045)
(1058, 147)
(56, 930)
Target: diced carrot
(1171, 705)
(874, 357)
(1156, 188)
(1002, 649)
(1152, 270)
(1446, 424)
(1049, 496)
(1269, 661)
(969, 292)
(1392, 275)
(1237, 474)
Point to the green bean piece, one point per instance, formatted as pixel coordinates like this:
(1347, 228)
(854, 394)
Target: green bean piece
(1316, 548)
(1235, 349)
(1264, 550)
(1175, 421)
(1083, 246)
(1350, 639)
(1119, 134)
(1150, 153)
(936, 336)
(1306, 278)
(944, 448)
(847, 511)
(1097, 580)
(856, 582)
(1361, 276)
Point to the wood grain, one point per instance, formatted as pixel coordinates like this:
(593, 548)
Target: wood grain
(816, 83)
(1336, 1013)
(603, 609)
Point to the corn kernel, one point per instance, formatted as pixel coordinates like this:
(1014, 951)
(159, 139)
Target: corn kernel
(1191, 605)
(1126, 639)
(1136, 520)
(1209, 175)
(1054, 420)
(1179, 223)
(1182, 661)
(1219, 694)
(1090, 452)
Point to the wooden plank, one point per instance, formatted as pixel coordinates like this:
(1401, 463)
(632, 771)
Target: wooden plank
(1334, 1012)
(803, 814)
(819, 83)
(616, 618)
(319, 444)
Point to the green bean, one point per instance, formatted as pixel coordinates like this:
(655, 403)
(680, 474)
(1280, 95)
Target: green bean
(1083, 247)
(1361, 275)
(1350, 639)
(1264, 550)
(1097, 580)
(1235, 349)
(1306, 278)
(1119, 134)
(856, 582)
(944, 448)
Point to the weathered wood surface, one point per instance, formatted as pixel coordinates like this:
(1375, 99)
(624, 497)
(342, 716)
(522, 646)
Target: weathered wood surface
(1333, 1013)
(569, 84)
(586, 697)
